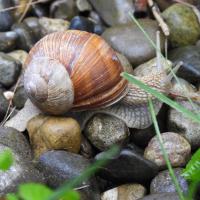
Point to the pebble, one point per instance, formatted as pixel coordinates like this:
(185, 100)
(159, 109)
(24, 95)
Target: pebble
(3, 105)
(105, 130)
(165, 196)
(26, 39)
(122, 192)
(183, 24)
(177, 122)
(130, 41)
(83, 5)
(190, 56)
(50, 25)
(176, 146)
(128, 166)
(39, 10)
(20, 97)
(8, 41)
(63, 9)
(19, 55)
(48, 133)
(60, 166)
(119, 12)
(9, 70)
(163, 183)
(86, 149)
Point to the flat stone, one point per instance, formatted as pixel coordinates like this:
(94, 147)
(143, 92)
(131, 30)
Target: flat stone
(131, 42)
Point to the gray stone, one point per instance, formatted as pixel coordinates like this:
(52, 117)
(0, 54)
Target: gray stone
(114, 12)
(186, 127)
(83, 5)
(165, 196)
(61, 166)
(163, 183)
(20, 97)
(9, 70)
(19, 55)
(176, 146)
(131, 42)
(3, 105)
(8, 41)
(105, 130)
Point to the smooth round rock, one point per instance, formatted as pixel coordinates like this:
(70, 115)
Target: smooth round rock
(48, 133)
(81, 23)
(131, 42)
(176, 146)
(165, 196)
(128, 166)
(20, 172)
(177, 122)
(26, 38)
(20, 97)
(61, 166)
(163, 183)
(8, 41)
(114, 12)
(122, 192)
(19, 55)
(63, 9)
(3, 105)
(50, 25)
(190, 56)
(9, 70)
(183, 24)
(105, 130)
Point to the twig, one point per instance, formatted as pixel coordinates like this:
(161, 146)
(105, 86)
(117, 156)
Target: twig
(25, 10)
(157, 15)
(158, 56)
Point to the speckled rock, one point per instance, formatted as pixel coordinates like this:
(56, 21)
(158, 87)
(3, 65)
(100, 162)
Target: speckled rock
(190, 56)
(48, 133)
(128, 166)
(50, 25)
(163, 183)
(122, 192)
(165, 196)
(177, 148)
(183, 24)
(9, 70)
(60, 166)
(118, 13)
(105, 130)
(19, 55)
(130, 41)
(20, 172)
(177, 122)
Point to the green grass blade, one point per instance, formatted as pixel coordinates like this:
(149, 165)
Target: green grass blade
(162, 97)
(171, 172)
(69, 185)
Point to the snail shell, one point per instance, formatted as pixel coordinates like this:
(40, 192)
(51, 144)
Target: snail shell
(73, 70)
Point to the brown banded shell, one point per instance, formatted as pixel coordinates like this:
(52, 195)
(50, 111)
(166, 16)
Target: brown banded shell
(92, 65)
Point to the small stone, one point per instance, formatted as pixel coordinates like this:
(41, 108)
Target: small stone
(50, 25)
(19, 55)
(3, 105)
(165, 196)
(163, 183)
(83, 5)
(114, 12)
(9, 70)
(63, 9)
(176, 146)
(183, 24)
(122, 192)
(61, 166)
(39, 10)
(20, 97)
(186, 127)
(128, 166)
(130, 41)
(86, 149)
(8, 41)
(47, 133)
(190, 56)
(105, 130)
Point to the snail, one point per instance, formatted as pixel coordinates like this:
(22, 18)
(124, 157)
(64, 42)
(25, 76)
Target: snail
(78, 71)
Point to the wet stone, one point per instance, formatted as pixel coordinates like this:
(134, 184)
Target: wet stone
(8, 41)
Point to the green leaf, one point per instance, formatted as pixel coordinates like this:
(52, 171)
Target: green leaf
(71, 195)
(6, 160)
(162, 97)
(192, 170)
(12, 197)
(34, 191)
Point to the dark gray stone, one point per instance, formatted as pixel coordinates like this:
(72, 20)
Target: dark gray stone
(3, 105)
(165, 196)
(20, 97)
